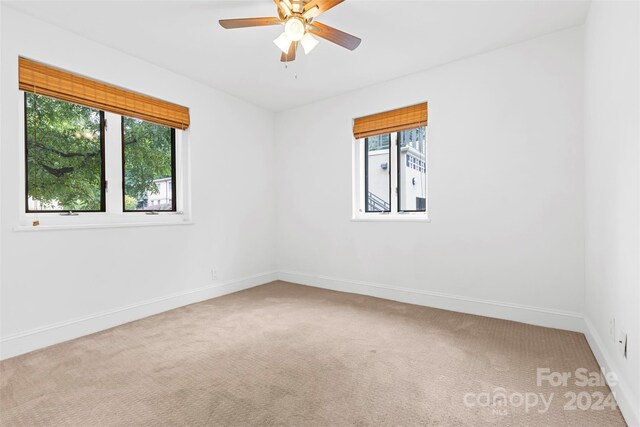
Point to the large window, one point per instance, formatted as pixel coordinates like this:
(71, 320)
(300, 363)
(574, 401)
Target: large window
(148, 152)
(99, 155)
(81, 160)
(64, 152)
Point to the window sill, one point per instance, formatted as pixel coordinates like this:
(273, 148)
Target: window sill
(391, 218)
(54, 227)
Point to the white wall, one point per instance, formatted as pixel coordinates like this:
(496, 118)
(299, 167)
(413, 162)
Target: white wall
(53, 277)
(506, 186)
(506, 194)
(612, 136)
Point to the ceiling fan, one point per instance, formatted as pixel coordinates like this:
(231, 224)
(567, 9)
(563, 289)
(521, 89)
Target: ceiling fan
(298, 16)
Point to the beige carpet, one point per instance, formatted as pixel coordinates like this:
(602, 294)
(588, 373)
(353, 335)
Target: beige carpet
(284, 354)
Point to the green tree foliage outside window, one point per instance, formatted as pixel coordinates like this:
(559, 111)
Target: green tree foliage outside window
(64, 155)
(148, 158)
(64, 150)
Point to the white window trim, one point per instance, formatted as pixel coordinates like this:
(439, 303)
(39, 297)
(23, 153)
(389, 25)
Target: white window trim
(358, 213)
(114, 217)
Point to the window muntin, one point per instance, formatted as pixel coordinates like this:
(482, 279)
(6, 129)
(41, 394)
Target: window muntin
(149, 166)
(412, 170)
(377, 172)
(64, 156)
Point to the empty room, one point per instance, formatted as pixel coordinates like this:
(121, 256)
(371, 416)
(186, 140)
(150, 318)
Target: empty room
(320, 213)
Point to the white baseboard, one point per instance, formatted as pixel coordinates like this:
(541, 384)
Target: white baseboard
(627, 402)
(520, 313)
(24, 342)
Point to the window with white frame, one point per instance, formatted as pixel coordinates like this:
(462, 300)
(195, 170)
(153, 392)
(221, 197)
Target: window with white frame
(390, 168)
(69, 166)
(85, 165)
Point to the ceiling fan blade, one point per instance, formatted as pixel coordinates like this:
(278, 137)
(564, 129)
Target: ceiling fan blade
(249, 22)
(291, 55)
(322, 5)
(334, 35)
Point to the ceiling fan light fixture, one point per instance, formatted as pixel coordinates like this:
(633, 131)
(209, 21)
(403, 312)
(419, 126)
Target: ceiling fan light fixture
(283, 42)
(308, 42)
(294, 28)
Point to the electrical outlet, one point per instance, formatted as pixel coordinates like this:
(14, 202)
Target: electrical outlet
(214, 274)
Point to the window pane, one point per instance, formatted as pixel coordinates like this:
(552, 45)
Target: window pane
(412, 170)
(149, 166)
(64, 150)
(377, 174)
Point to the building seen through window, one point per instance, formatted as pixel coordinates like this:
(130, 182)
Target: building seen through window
(411, 171)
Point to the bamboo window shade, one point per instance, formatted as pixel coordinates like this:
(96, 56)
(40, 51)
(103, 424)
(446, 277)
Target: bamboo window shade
(391, 121)
(55, 83)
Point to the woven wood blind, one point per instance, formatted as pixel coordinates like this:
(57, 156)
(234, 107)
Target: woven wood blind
(55, 83)
(391, 121)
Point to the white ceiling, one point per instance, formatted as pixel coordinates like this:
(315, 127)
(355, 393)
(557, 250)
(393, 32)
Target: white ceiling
(399, 38)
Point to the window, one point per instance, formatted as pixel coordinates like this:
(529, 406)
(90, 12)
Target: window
(96, 154)
(390, 165)
(64, 153)
(66, 167)
(377, 158)
(412, 172)
(148, 152)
